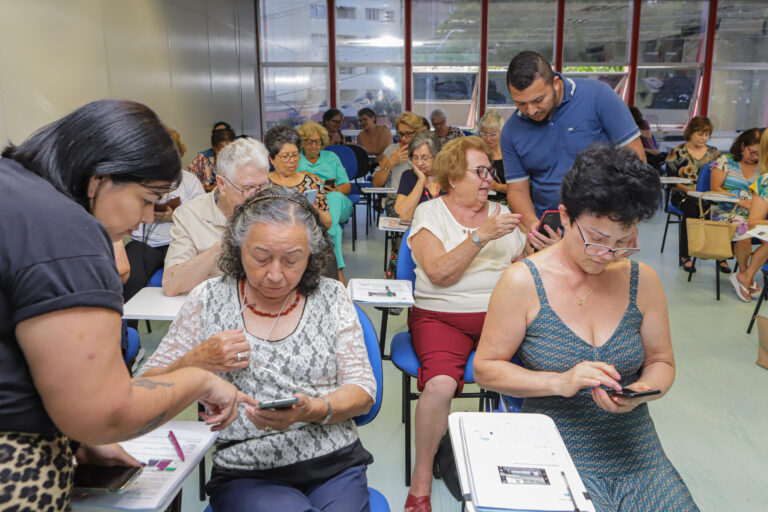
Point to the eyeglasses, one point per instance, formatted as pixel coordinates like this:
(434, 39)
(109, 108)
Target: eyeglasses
(491, 135)
(599, 250)
(312, 142)
(483, 172)
(334, 120)
(422, 158)
(405, 134)
(287, 157)
(249, 190)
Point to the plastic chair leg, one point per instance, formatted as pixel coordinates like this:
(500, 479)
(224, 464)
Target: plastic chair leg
(407, 417)
(717, 278)
(759, 303)
(690, 272)
(666, 228)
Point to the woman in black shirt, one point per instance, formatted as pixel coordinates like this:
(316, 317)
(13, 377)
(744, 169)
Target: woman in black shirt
(70, 190)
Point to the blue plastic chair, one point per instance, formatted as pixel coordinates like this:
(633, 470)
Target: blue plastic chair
(377, 501)
(156, 281)
(349, 161)
(404, 358)
(133, 344)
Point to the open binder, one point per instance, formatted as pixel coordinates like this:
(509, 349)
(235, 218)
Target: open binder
(515, 462)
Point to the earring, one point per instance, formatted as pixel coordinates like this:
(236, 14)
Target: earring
(453, 186)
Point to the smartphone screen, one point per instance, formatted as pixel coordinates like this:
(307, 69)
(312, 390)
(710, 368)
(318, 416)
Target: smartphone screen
(629, 393)
(550, 218)
(330, 183)
(310, 195)
(104, 479)
(283, 403)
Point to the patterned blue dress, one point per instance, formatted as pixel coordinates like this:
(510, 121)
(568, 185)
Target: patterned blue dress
(619, 456)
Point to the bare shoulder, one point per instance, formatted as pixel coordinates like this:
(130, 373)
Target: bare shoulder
(518, 281)
(649, 288)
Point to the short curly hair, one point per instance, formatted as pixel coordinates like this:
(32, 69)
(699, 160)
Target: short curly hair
(609, 181)
(410, 119)
(451, 161)
(698, 124)
(309, 128)
(279, 136)
(277, 205)
(746, 138)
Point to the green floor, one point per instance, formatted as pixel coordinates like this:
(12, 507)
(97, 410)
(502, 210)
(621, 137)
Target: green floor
(713, 423)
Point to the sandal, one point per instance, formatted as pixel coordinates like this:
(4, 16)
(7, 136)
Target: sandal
(417, 503)
(687, 264)
(725, 268)
(741, 291)
(754, 288)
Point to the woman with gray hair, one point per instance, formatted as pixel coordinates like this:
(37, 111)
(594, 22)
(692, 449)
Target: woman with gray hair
(443, 130)
(418, 184)
(489, 129)
(273, 325)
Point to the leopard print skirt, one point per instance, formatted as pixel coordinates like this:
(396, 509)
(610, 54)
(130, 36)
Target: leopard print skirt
(36, 472)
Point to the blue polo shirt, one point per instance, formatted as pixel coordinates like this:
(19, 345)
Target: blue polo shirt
(544, 151)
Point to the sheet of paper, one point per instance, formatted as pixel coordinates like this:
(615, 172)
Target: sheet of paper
(383, 292)
(164, 473)
(378, 190)
(394, 224)
(760, 232)
(518, 462)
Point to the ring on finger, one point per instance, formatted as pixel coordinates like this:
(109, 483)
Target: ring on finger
(241, 356)
(267, 428)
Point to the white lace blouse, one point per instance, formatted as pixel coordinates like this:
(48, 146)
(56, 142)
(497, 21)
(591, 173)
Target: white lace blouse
(325, 352)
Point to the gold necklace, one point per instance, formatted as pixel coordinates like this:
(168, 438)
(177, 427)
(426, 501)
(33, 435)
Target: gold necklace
(579, 301)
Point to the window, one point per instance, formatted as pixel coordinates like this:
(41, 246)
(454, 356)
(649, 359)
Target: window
(379, 15)
(596, 32)
(317, 11)
(346, 13)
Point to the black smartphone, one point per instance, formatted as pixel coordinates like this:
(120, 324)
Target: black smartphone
(330, 183)
(630, 393)
(550, 218)
(283, 403)
(91, 478)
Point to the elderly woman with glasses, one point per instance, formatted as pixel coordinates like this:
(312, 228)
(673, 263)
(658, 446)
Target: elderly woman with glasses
(418, 184)
(461, 245)
(587, 323)
(394, 161)
(199, 224)
(489, 129)
(327, 166)
(273, 326)
(332, 121)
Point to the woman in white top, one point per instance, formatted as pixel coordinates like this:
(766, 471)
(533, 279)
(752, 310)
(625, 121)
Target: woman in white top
(461, 244)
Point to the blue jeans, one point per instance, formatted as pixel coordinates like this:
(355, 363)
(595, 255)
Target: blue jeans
(345, 492)
(340, 208)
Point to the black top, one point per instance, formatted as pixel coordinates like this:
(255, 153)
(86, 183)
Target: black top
(499, 166)
(409, 180)
(54, 255)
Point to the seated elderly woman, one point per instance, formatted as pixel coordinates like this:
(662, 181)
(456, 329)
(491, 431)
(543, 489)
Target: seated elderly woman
(332, 121)
(586, 321)
(204, 164)
(394, 160)
(373, 138)
(418, 184)
(273, 326)
(489, 129)
(461, 244)
(733, 174)
(443, 130)
(327, 166)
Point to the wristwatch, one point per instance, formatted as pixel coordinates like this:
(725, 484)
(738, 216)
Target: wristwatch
(476, 239)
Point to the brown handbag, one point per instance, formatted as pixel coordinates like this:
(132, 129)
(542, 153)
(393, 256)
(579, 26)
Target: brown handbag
(710, 239)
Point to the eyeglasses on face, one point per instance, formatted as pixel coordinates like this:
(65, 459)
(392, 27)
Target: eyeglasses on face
(406, 134)
(287, 157)
(249, 190)
(312, 142)
(334, 120)
(489, 135)
(599, 250)
(422, 158)
(483, 172)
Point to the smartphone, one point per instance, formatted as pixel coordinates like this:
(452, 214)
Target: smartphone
(173, 203)
(330, 183)
(91, 478)
(283, 403)
(310, 195)
(630, 393)
(550, 218)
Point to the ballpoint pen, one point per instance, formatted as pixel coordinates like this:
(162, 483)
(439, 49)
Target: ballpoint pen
(570, 493)
(175, 444)
(389, 292)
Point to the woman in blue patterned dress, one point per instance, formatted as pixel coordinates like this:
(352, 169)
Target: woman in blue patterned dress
(584, 319)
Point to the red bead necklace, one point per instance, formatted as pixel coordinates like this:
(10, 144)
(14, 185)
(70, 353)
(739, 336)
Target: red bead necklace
(268, 315)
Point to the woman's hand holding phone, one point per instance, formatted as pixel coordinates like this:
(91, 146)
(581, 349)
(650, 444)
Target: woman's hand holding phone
(280, 419)
(615, 403)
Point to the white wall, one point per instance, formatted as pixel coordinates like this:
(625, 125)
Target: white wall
(192, 61)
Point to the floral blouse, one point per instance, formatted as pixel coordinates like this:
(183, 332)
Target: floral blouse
(310, 182)
(681, 163)
(204, 167)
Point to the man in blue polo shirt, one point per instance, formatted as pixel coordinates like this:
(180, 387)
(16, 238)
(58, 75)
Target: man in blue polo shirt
(556, 119)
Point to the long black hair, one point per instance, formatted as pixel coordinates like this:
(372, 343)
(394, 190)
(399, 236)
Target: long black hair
(121, 139)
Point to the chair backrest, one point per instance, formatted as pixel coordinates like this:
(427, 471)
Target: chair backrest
(347, 157)
(468, 132)
(374, 356)
(406, 267)
(702, 183)
(363, 163)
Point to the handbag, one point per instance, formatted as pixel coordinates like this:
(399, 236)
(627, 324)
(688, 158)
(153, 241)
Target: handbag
(710, 239)
(762, 347)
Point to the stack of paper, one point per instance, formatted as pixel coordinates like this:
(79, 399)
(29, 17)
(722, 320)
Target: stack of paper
(381, 292)
(394, 224)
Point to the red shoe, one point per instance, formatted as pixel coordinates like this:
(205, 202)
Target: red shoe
(418, 504)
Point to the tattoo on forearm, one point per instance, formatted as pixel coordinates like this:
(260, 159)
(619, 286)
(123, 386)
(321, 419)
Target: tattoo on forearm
(150, 384)
(149, 426)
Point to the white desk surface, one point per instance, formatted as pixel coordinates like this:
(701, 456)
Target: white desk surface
(673, 180)
(378, 190)
(151, 304)
(393, 224)
(714, 196)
